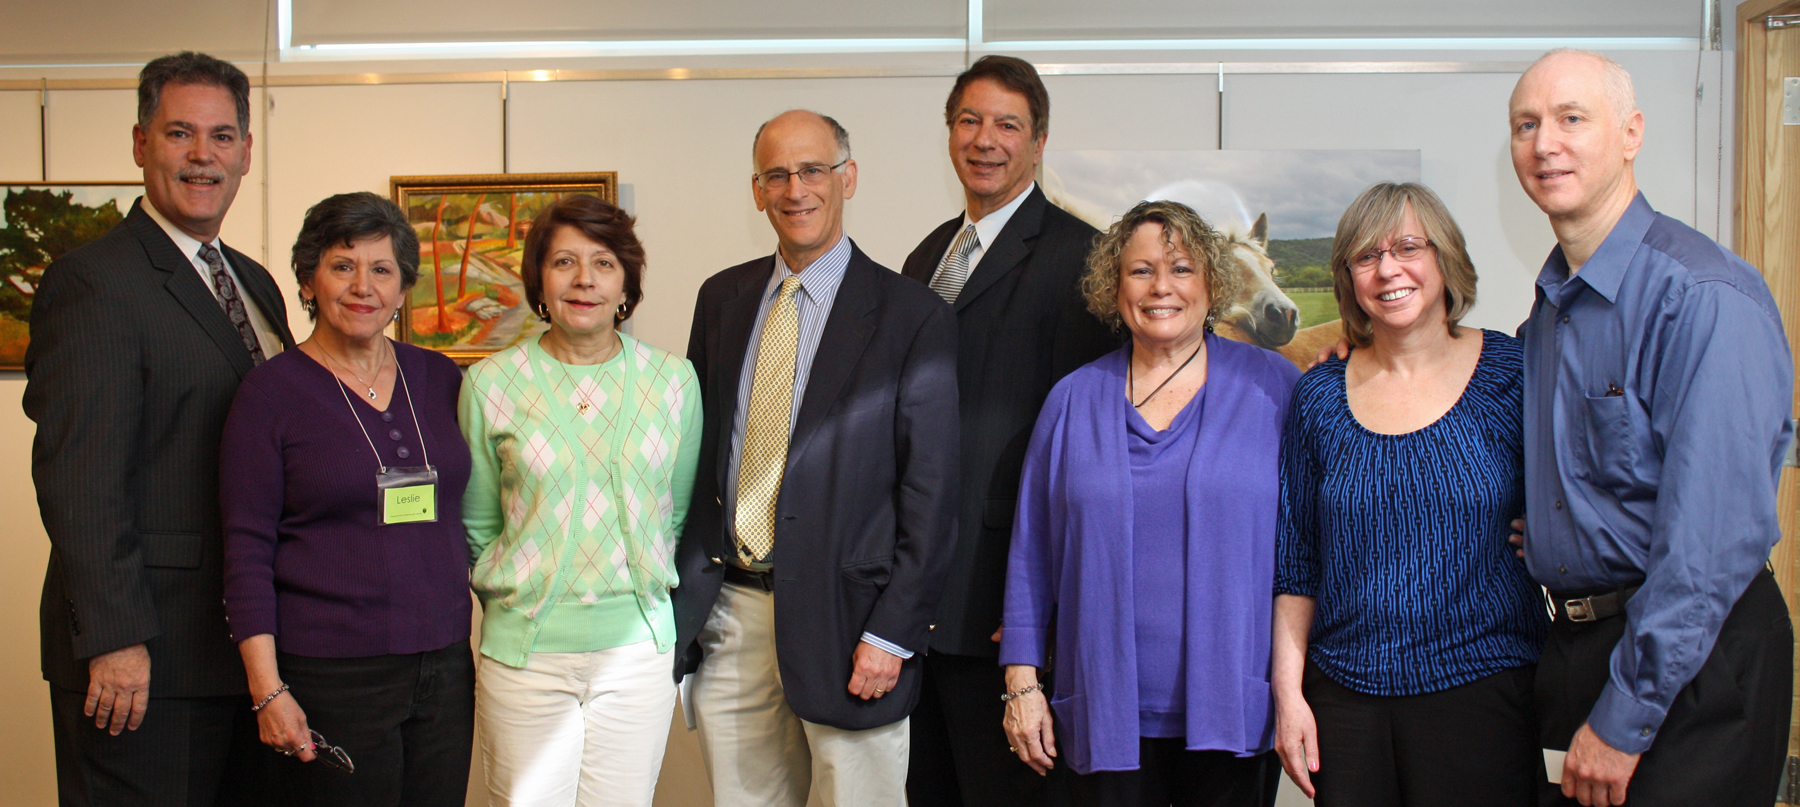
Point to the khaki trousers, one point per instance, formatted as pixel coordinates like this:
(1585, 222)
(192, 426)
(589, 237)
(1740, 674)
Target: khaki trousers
(757, 751)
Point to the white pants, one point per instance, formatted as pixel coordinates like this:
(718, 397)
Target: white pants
(583, 729)
(757, 751)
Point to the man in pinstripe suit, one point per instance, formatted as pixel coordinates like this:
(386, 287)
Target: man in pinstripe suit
(139, 340)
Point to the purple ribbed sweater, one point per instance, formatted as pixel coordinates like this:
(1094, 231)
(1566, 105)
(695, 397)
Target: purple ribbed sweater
(304, 557)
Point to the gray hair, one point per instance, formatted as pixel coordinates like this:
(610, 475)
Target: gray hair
(1615, 80)
(837, 131)
(188, 67)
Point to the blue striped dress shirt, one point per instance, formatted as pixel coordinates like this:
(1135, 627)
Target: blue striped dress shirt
(819, 283)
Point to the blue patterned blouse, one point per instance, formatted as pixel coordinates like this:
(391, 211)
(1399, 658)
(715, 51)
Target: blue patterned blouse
(1402, 538)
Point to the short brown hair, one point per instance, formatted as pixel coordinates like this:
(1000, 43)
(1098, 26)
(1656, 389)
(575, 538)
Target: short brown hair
(1183, 229)
(598, 220)
(188, 67)
(1375, 215)
(1014, 74)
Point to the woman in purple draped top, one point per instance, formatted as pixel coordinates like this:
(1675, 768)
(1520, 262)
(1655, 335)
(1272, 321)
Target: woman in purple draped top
(1144, 546)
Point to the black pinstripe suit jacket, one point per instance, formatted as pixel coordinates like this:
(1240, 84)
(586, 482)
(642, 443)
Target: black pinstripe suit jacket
(131, 371)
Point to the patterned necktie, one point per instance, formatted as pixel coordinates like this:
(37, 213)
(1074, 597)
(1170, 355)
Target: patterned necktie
(231, 302)
(954, 271)
(766, 427)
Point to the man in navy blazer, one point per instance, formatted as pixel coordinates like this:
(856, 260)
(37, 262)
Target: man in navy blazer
(805, 656)
(1022, 325)
(138, 342)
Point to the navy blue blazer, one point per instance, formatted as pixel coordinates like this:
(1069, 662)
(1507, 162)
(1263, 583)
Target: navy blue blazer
(864, 525)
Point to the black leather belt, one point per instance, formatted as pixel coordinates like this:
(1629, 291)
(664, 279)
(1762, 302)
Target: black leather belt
(750, 579)
(1580, 607)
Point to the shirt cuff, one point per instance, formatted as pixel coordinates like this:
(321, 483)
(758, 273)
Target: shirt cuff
(1624, 722)
(886, 645)
(1025, 646)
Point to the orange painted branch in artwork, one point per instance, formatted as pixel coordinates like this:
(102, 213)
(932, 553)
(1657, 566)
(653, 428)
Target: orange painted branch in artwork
(462, 275)
(437, 266)
(512, 220)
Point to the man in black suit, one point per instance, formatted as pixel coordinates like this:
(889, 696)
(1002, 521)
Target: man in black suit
(138, 342)
(1011, 265)
(821, 521)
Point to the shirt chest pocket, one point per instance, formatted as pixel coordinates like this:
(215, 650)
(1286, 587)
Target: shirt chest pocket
(1612, 443)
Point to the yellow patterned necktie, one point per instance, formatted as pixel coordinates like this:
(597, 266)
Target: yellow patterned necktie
(766, 427)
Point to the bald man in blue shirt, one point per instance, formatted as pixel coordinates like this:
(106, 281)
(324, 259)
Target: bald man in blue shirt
(1658, 387)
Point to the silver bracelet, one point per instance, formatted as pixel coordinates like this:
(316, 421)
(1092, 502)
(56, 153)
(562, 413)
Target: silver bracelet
(1037, 687)
(265, 701)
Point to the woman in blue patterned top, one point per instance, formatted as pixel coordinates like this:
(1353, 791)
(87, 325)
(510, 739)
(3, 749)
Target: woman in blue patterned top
(1407, 631)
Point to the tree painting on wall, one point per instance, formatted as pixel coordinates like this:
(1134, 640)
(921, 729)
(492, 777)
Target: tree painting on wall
(38, 224)
(469, 300)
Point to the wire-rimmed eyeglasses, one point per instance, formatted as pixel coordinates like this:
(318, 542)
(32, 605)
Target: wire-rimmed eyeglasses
(1406, 250)
(777, 178)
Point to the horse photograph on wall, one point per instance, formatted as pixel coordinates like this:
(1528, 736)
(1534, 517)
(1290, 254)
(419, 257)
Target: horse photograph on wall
(469, 300)
(1277, 209)
(39, 222)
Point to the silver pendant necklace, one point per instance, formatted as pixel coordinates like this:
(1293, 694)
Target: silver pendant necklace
(359, 379)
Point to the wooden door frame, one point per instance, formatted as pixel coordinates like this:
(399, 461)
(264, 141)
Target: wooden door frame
(1757, 128)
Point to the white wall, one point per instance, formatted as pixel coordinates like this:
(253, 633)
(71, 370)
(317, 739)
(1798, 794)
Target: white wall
(682, 152)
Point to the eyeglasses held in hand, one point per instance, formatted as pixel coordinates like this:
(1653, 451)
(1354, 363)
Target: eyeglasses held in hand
(1406, 250)
(775, 179)
(331, 755)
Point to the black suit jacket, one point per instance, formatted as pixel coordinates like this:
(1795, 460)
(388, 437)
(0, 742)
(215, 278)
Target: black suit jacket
(864, 522)
(1022, 325)
(131, 370)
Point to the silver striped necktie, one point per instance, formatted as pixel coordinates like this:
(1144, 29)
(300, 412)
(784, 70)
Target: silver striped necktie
(954, 272)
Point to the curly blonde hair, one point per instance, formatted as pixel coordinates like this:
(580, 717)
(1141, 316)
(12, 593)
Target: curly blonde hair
(1183, 230)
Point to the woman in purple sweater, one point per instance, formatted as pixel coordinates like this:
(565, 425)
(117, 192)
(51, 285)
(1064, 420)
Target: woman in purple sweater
(346, 570)
(1145, 539)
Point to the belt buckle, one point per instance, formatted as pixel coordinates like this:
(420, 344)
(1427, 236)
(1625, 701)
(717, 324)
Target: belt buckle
(1581, 610)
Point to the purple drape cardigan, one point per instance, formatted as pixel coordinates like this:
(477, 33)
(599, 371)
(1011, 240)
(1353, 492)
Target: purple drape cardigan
(1071, 563)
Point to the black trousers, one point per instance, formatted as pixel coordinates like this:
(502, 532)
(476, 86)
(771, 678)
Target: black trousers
(188, 752)
(959, 754)
(407, 722)
(1473, 745)
(1725, 738)
(1169, 774)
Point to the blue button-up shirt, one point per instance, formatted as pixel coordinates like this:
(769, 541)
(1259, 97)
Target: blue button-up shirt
(1658, 387)
(819, 283)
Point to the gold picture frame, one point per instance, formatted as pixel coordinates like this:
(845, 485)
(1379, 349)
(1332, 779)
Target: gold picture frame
(486, 311)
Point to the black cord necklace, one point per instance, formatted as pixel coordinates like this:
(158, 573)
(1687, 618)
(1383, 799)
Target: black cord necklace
(1131, 375)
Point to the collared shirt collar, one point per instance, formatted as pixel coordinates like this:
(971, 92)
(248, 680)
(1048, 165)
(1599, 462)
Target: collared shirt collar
(820, 279)
(1605, 269)
(988, 229)
(188, 245)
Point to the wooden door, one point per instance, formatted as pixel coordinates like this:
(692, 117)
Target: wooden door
(1768, 233)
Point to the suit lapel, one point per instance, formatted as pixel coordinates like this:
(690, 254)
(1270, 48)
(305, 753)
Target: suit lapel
(1008, 251)
(185, 286)
(737, 314)
(847, 332)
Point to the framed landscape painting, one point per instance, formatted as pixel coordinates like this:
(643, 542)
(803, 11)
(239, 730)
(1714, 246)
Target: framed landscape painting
(470, 298)
(39, 222)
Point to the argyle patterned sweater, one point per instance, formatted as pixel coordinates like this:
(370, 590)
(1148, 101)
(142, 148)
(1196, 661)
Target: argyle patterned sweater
(573, 515)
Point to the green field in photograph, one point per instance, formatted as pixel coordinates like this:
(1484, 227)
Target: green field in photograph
(1315, 307)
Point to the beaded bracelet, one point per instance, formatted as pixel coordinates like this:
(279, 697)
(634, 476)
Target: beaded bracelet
(265, 701)
(1037, 687)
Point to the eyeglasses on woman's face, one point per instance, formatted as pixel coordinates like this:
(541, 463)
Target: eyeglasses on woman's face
(1406, 250)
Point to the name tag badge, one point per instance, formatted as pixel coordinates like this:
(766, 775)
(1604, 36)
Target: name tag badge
(408, 495)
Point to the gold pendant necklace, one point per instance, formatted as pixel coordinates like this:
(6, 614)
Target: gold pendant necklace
(586, 402)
